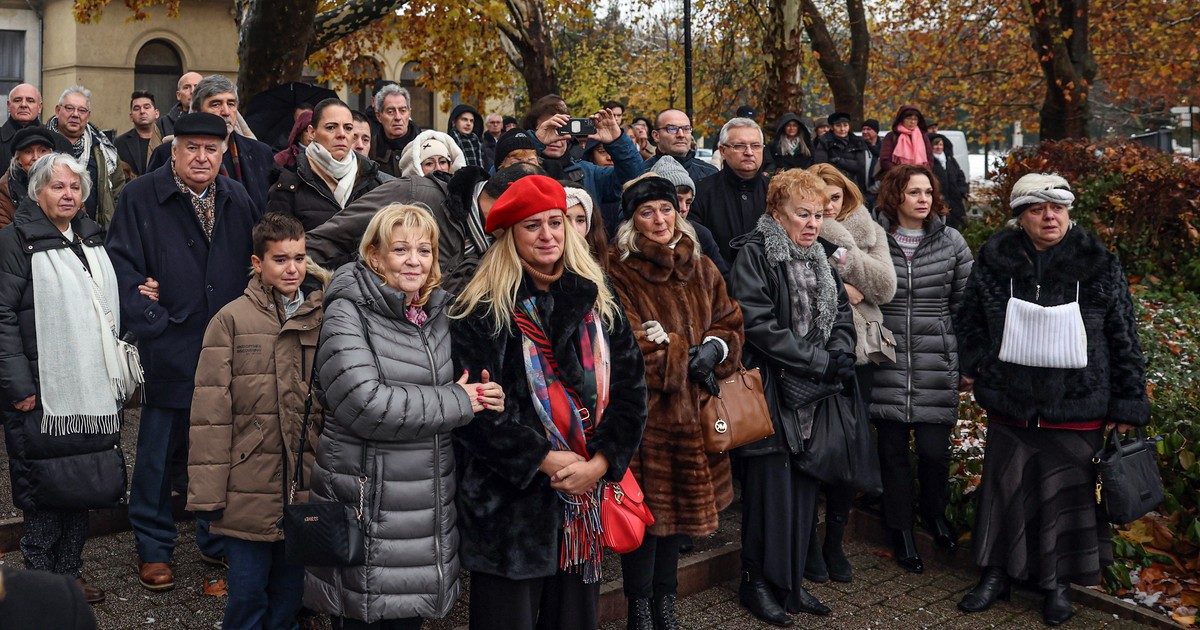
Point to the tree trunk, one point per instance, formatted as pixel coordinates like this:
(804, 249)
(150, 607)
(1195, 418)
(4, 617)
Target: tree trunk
(784, 91)
(1059, 33)
(273, 40)
(847, 78)
(528, 47)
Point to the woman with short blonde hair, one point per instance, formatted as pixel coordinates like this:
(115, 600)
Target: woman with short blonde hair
(540, 319)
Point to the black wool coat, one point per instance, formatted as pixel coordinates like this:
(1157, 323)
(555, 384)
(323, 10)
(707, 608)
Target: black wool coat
(256, 162)
(7, 132)
(759, 282)
(1113, 385)
(155, 234)
(509, 516)
(729, 206)
(954, 188)
(304, 195)
(47, 471)
(850, 155)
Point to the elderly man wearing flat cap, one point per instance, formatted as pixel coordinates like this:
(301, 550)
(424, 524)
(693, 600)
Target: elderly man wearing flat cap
(28, 144)
(180, 244)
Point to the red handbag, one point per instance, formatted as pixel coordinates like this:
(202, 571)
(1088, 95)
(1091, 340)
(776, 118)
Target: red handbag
(624, 516)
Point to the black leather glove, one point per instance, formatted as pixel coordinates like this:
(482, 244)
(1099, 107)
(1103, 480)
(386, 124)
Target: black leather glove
(839, 368)
(702, 359)
(210, 515)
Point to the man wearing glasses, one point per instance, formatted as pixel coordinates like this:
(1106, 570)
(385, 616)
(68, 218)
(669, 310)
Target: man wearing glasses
(393, 110)
(730, 202)
(673, 136)
(92, 149)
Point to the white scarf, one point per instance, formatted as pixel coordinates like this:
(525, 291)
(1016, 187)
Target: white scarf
(77, 353)
(941, 158)
(345, 171)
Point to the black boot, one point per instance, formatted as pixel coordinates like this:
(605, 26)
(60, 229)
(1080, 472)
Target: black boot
(993, 585)
(835, 557)
(810, 604)
(639, 616)
(757, 597)
(1056, 609)
(814, 563)
(905, 548)
(943, 533)
(664, 613)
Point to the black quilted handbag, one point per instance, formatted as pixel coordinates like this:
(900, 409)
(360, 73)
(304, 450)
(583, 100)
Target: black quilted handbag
(799, 392)
(1127, 481)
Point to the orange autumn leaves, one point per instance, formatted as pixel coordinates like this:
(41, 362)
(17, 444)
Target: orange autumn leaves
(1171, 580)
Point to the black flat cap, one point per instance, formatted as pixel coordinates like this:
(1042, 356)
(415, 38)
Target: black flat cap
(837, 117)
(201, 124)
(30, 136)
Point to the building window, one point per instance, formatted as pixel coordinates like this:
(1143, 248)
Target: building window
(422, 105)
(12, 60)
(369, 71)
(157, 70)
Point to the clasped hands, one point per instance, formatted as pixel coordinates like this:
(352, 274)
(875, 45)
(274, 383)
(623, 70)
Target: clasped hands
(484, 395)
(569, 472)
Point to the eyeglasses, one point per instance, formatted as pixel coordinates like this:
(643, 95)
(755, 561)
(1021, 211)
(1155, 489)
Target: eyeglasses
(674, 129)
(742, 147)
(71, 109)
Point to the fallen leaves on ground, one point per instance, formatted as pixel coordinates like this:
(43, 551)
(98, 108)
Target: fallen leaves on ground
(216, 588)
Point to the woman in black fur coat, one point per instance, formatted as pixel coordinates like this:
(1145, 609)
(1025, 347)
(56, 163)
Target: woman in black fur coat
(1047, 401)
(540, 319)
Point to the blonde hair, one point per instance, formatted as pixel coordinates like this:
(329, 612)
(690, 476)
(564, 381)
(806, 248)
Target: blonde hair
(851, 196)
(379, 235)
(626, 240)
(790, 184)
(499, 274)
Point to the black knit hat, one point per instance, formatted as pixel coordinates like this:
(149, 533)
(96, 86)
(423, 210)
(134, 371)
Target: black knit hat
(513, 140)
(647, 188)
(837, 117)
(872, 123)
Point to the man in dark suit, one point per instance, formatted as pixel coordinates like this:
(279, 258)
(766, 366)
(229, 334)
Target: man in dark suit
(179, 243)
(24, 110)
(134, 146)
(183, 96)
(247, 161)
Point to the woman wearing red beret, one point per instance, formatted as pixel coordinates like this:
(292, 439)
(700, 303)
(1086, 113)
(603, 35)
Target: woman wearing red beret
(540, 317)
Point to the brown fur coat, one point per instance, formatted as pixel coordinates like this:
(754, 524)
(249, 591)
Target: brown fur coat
(685, 486)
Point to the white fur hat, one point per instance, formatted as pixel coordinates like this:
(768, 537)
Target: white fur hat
(580, 197)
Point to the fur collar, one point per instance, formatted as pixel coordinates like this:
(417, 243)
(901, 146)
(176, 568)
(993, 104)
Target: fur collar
(780, 249)
(1081, 255)
(657, 263)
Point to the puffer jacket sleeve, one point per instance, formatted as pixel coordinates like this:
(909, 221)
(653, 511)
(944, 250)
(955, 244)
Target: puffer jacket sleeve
(751, 286)
(362, 403)
(620, 431)
(872, 272)
(499, 440)
(1127, 401)
(726, 320)
(963, 263)
(16, 374)
(211, 433)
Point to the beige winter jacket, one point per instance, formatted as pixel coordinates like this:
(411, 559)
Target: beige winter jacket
(247, 410)
(868, 267)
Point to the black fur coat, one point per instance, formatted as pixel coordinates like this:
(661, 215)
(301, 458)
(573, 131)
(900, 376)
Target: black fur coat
(1113, 385)
(509, 517)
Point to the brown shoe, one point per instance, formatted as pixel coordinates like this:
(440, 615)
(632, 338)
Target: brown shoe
(156, 576)
(92, 594)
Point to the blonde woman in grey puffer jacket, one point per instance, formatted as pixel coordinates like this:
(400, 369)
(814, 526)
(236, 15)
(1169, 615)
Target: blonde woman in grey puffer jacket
(386, 380)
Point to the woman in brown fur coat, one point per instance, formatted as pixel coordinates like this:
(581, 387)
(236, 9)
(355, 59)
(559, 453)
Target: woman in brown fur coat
(690, 332)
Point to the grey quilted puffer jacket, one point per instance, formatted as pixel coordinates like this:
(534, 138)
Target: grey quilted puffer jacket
(397, 420)
(922, 385)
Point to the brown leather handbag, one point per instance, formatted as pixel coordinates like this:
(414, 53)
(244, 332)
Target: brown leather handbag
(738, 415)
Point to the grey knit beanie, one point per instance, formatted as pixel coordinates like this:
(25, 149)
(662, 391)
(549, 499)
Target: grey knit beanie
(671, 170)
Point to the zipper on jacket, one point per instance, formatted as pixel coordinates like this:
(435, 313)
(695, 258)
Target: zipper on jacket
(437, 484)
(908, 340)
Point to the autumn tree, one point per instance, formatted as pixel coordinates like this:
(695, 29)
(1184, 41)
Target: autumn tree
(1061, 39)
(846, 74)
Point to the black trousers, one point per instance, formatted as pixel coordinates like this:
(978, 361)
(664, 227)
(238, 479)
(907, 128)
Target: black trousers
(652, 570)
(933, 470)
(559, 602)
(345, 623)
(53, 541)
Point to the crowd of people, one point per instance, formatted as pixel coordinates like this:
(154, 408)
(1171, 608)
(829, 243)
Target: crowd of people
(469, 338)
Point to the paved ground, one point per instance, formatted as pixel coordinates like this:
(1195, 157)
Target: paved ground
(882, 596)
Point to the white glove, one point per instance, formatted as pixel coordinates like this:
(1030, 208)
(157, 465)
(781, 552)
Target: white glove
(655, 332)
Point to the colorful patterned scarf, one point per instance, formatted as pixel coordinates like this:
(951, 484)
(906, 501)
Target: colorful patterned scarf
(568, 422)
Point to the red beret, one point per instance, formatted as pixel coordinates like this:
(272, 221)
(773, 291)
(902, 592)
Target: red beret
(530, 195)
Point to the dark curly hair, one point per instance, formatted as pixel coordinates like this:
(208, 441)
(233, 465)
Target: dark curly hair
(891, 192)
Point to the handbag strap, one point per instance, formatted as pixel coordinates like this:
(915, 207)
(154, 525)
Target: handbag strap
(298, 475)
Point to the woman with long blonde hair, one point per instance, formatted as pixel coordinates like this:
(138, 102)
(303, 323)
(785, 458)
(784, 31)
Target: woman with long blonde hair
(540, 319)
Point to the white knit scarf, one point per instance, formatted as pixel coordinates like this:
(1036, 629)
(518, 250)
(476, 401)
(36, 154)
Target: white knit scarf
(77, 352)
(345, 171)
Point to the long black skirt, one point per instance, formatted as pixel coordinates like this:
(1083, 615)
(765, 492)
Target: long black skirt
(1037, 513)
(779, 505)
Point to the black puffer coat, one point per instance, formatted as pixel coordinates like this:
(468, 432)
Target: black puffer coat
(76, 471)
(922, 385)
(850, 155)
(1113, 385)
(304, 195)
(759, 282)
(509, 516)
